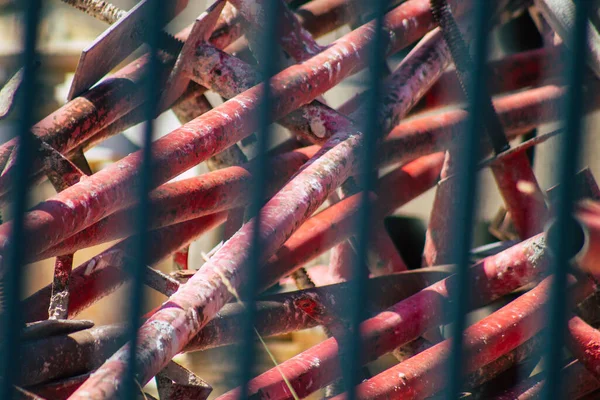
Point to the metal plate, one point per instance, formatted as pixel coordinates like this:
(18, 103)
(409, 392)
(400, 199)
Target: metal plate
(116, 43)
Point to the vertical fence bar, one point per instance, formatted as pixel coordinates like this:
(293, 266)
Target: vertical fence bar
(138, 263)
(12, 280)
(350, 357)
(267, 56)
(561, 234)
(466, 168)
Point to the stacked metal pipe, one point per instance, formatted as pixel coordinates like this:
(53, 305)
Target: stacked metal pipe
(418, 129)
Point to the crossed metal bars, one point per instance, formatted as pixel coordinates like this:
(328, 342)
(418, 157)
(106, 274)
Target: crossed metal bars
(295, 181)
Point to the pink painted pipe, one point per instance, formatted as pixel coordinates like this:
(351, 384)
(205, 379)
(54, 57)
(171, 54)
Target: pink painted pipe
(188, 310)
(484, 342)
(491, 278)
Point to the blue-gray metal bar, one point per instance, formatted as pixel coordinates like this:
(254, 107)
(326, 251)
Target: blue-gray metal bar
(12, 265)
(267, 56)
(350, 354)
(466, 173)
(560, 241)
(137, 264)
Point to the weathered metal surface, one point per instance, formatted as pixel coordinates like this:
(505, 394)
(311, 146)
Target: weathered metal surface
(417, 137)
(8, 93)
(113, 187)
(512, 359)
(114, 97)
(116, 43)
(484, 342)
(490, 279)
(336, 223)
(414, 138)
(519, 113)
(586, 187)
(340, 262)
(512, 174)
(59, 300)
(80, 119)
(103, 273)
(160, 281)
(64, 356)
(177, 383)
(181, 259)
(201, 31)
(193, 95)
(276, 314)
(62, 173)
(59, 390)
(560, 15)
(196, 315)
(581, 383)
(300, 46)
(230, 76)
(584, 342)
(224, 267)
(293, 37)
(539, 103)
(515, 71)
(47, 328)
(188, 199)
(101, 10)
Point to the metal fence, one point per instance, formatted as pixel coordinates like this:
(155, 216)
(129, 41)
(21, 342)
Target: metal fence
(262, 57)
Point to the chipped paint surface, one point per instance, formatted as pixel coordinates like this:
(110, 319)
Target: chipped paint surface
(584, 342)
(199, 300)
(229, 76)
(105, 272)
(188, 199)
(205, 136)
(405, 321)
(196, 315)
(293, 37)
(511, 73)
(484, 342)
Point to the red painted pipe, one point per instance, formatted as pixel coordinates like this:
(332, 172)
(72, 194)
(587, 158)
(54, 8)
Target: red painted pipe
(104, 273)
(408, 140)
(513, 72)
(336, 223)
(518, 112)
(315, 182)
(188, 199)
(84, 116)
(510, 360)
(581, 383)
(314, 237)
(416, 137)
(66, 355)
(341, 261)
(491, 278)
(292, 36)
(318, 16)
(584, 342)
(112, 188)
(424, 374)
(518, 187)
(110, 107)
